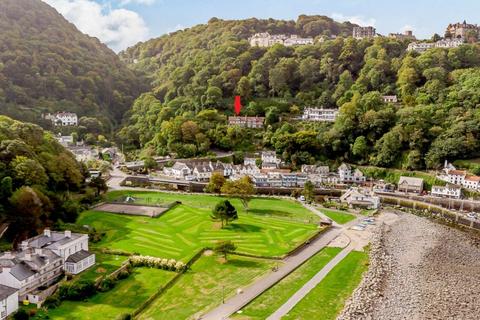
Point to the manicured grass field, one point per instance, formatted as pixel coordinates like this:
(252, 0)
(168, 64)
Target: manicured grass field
(184, 230)
(275, 297)
(280, 208)
(202, 287)
(127, 295)
(104, 265)
(327, 299)
(338, 216)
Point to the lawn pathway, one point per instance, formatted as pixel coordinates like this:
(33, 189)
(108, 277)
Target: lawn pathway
(320, 214)
(312, 283)
(291, 263)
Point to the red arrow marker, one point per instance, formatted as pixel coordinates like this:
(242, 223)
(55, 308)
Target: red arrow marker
(238, 105)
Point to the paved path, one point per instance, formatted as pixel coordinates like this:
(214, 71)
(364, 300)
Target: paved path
(320, 214)
(312, 283)
(238, 301)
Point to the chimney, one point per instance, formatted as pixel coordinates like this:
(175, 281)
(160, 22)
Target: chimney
(24, 245)
(46, 232)
(28, 257)
(38, 251)
(68, 233)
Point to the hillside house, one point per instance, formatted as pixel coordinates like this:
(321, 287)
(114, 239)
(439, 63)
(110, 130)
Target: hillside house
(390, 99)
(320, 114)
(62, 119)
(348, 175)
(247, 122)
(266, 39)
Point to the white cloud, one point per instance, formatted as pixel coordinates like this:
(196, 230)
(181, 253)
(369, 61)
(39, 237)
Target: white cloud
(360, 20)
(117, 28)
(125, 2)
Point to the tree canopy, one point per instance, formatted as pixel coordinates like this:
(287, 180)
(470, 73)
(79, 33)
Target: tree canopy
(47, 65)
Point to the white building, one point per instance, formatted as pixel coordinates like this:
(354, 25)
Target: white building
(270, 157)
(445, 43)
(41, 262)
(180, 170)
(313, 169)
(320, 114)
(62, 118)
(79, 261)
(461, 178)
(348, 175)
(266, 39)
(356, 197)
(448, 191)
(449, 43)
(390, 99)
(250, 161)
(8, 301)
(420, 46)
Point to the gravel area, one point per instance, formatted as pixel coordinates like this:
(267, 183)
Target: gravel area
(419, 269)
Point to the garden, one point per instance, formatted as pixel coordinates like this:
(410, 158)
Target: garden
(266, 231)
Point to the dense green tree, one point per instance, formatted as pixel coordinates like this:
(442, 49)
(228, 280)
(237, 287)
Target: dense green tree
(225, 212)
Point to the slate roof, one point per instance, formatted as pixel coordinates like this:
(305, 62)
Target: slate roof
(21, 271)
(79, 256)
(6, 291)
(418, 182)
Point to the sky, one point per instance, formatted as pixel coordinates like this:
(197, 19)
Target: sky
(123, 23)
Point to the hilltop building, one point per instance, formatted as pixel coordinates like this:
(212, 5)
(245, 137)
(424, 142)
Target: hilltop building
(266, 39)
(247, 122)
(320, 114)
(364, 32)
(407, 35)
(62, 119)
(445, 43)
(461, 30)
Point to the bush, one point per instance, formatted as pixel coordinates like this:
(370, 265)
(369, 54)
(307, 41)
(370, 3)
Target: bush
(77, 291)
(124, 316)
(159, 263)
(21, 314)
(52, 302)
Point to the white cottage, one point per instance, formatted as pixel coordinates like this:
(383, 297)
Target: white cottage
(8, 301)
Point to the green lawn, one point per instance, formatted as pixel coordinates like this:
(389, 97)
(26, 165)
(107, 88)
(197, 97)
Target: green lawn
(280, 208)
(127, 295)
(184, 230)
(104, 265)
(275, 297)
(201, 288)
(340, 217)
(327, 299)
